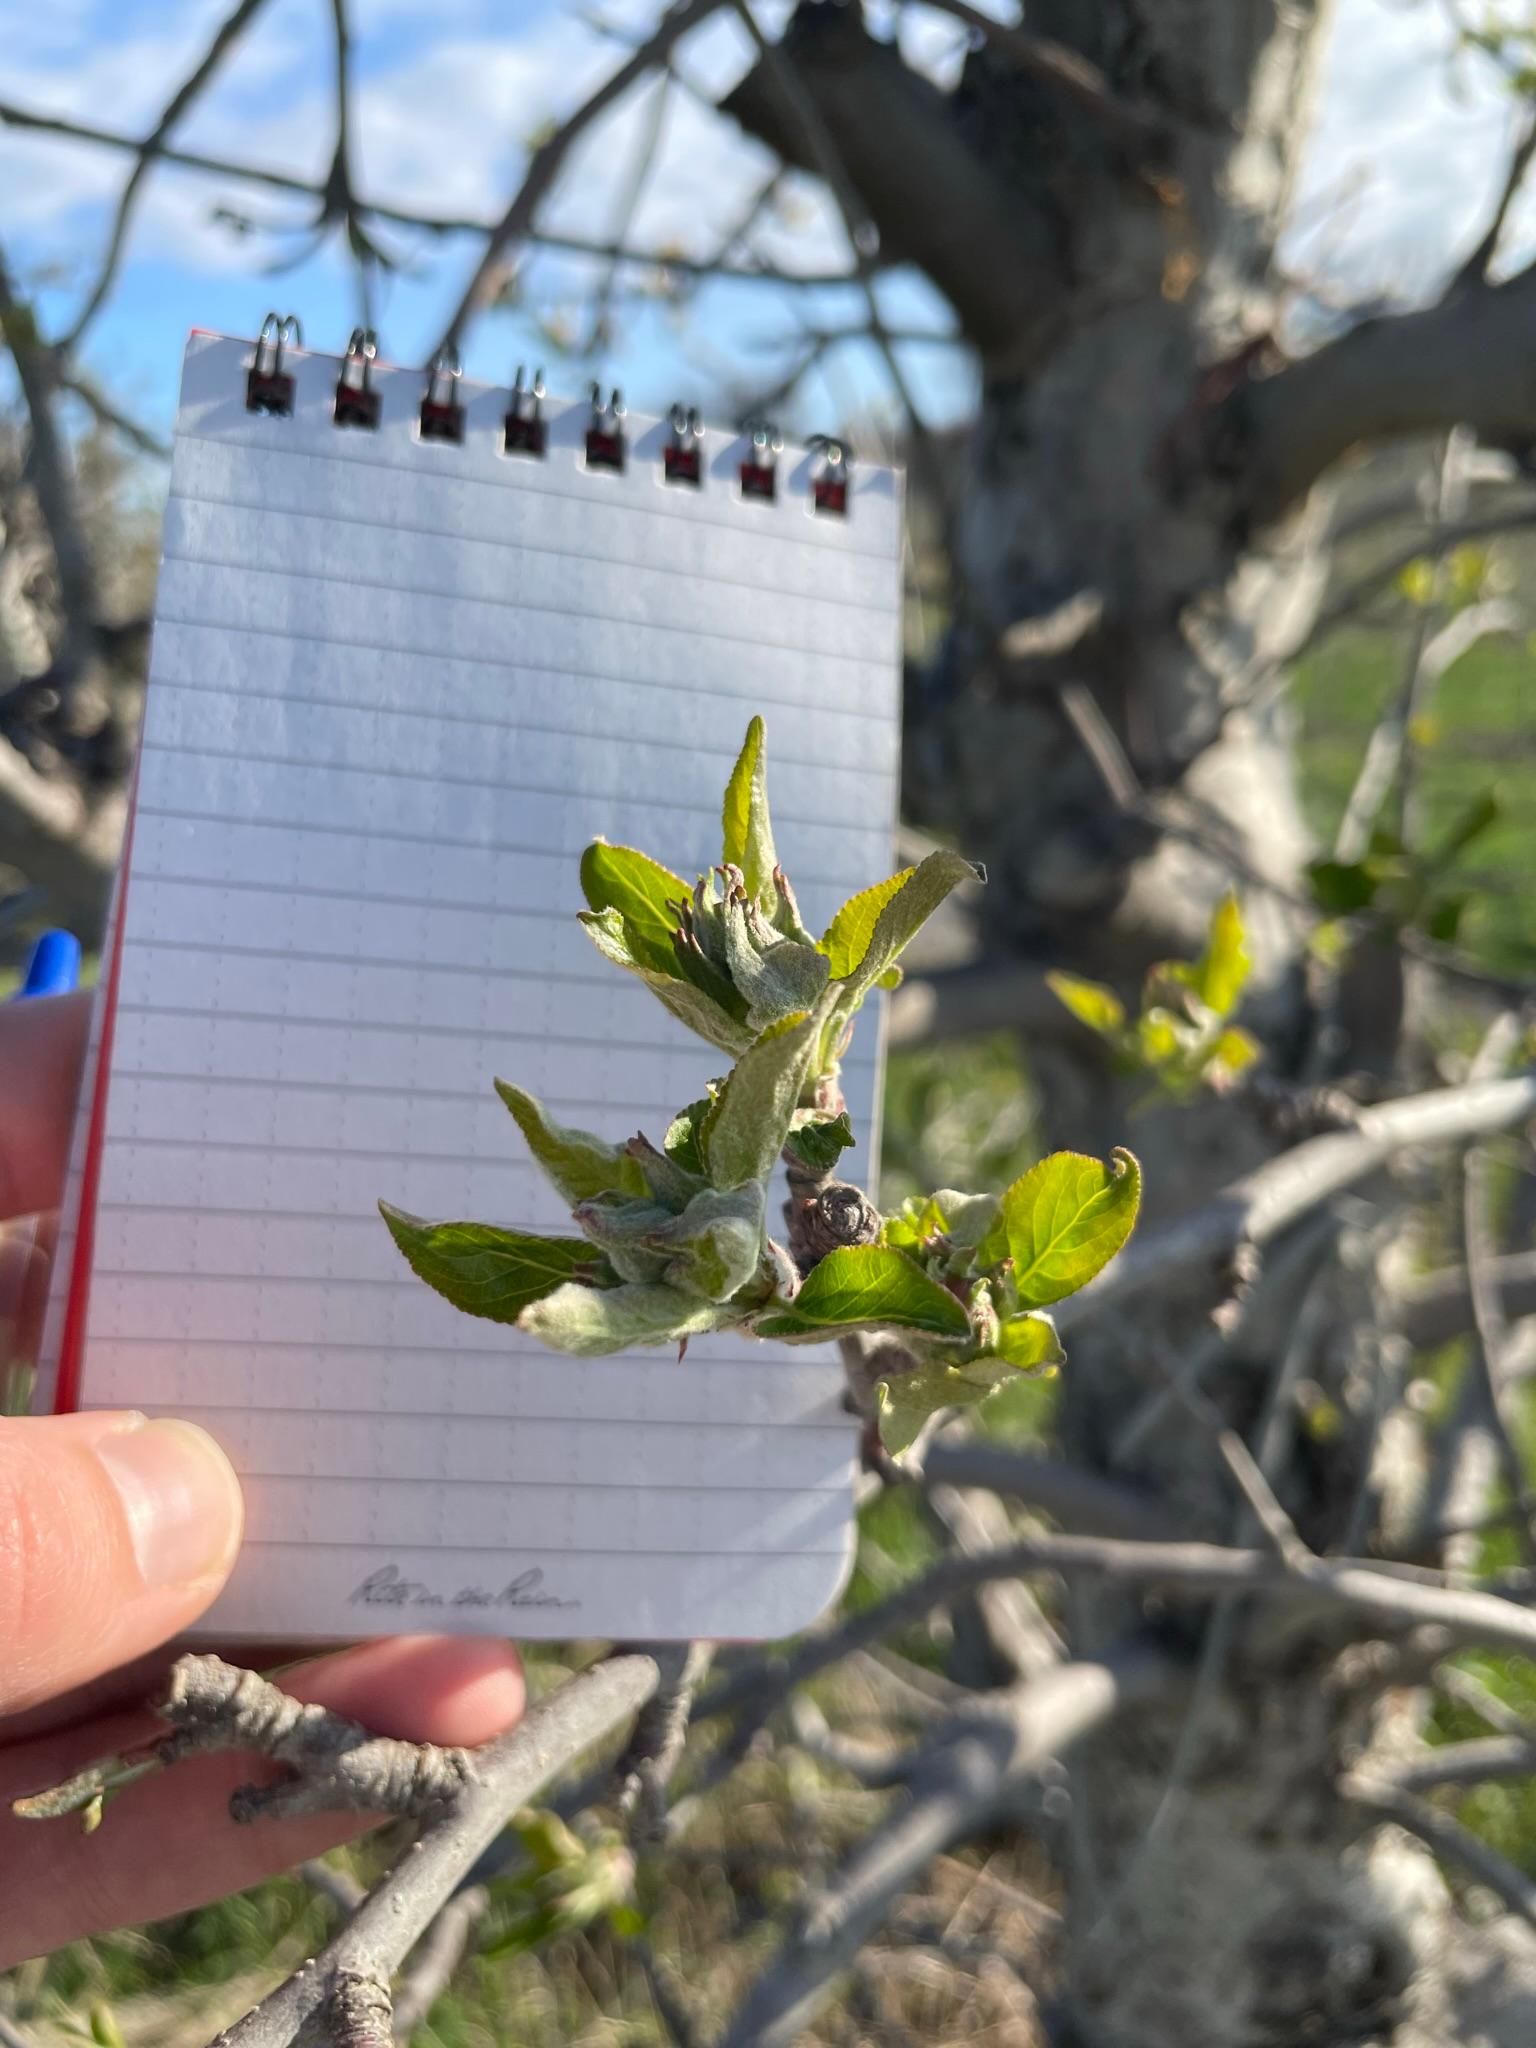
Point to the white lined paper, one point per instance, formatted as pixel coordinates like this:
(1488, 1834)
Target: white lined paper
(395, 688)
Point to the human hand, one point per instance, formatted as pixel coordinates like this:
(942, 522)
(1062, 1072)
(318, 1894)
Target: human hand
(116, 1533)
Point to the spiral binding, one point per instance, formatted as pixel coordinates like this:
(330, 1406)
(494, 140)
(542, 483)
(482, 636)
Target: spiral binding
(269, 388)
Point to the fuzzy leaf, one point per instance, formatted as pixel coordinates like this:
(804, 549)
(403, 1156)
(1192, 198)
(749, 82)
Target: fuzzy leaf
(1029, 1340)
(483, 1270)
(640, 889)
(903, 916)
(716, 1243)
(749, 1120)
(747, 831)
(671, 1185)
(1091, 1003)
(846, 939)
(819, 1141)
(869, 1287)
(777, 976)
(687, 1002)
(592, 1322)
(578, 1163)
(1064, 1220)
(683, 1143)
(918, 1219)
(909, 1398)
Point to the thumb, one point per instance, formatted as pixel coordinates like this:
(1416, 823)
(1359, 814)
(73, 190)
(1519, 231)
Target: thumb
(115, 1534)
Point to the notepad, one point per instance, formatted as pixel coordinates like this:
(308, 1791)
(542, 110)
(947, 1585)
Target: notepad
(398, 681)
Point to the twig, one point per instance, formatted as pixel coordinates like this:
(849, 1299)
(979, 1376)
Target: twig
(1469, 1691)
(1467, 1763)
(339, 1888)
(1475, 270)
(974, 1762)
(547, 159)
(670, 2009)
(1438, 1306)
(1072, 1496)
(430, 1971)
(505, 1775)
(646, 1769)
(225, 37)
(1259, 1207)
(437, 224)
(1449, 1839)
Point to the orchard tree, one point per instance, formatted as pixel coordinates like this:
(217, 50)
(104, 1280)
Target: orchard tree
(1252, 1552)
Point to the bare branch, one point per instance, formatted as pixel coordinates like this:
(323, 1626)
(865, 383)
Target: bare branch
(973, 1763)
(1475, 270)
(1449, 1839)
(505, 1775)
(228, 33)
(437, 224)
(1257, 1208)
(430, 1971)
(1077, 1499)
(546, 161)
(1467, 1763)
(1465, 360)
(647, 1767)
(1438, 1306)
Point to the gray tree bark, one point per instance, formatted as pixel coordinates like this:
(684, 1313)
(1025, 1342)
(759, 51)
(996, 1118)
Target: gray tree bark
(1135, 553)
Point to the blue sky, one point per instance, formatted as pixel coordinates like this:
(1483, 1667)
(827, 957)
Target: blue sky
(450, 93)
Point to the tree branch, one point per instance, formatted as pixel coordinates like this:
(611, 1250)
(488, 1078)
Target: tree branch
(1263, 1204)
(1449, 1839)
(547, 159)
(970, 1767)
(505, 1775)
(1463, 361)
(228, 33)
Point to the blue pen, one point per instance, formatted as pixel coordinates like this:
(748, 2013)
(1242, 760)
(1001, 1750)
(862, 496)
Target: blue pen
(54, 968)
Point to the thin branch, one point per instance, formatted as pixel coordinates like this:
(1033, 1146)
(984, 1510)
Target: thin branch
(647, 1767)
(110, 415)
(1467, 1763)
(430, 1970)
(1147, 131)
(505, 1775)
(1475, 270)
(1259, 1207)
(1438, 1306)
(972, 1765)
(1449, 1840)
(228, 33)
(1077, 1499)
(545, 164)
(634, 188)
(437, 224)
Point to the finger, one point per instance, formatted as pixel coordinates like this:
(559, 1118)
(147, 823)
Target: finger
(115, 1534)
(42, 1044)
(167, 1844)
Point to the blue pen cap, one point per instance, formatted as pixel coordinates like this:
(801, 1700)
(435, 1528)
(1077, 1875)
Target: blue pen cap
(54, 968)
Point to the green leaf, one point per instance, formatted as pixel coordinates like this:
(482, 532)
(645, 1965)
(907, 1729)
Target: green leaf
(846, 939)
(870, 1287)
(578, 1163)
(1064, 1221)
(1469, 824)
(483, 1270)
(1235, 1051)
(1341, 887)
(918, 1219)
(747, 832)
(640, 890)
(779, 977)
(1223, 968)
(818, 1141)
(1089, 1001)
(717, 1242)
(687, 1002)
(748, 1122)
(592, 1322)
(903, 916)
(684, 1144)
(908, 1399)
(1029, 1341)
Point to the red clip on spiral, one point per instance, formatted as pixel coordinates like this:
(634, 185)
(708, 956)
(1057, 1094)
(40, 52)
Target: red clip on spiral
(268, 386)
(829, 486)
(357, 403)
(605, 432)
(682, 459)
(760, 469)
(442, 416)
(523, 427)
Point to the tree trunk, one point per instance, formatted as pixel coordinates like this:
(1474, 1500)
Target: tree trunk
(1121, 600)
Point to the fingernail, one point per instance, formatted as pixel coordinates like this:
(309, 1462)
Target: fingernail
(181, 1497)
